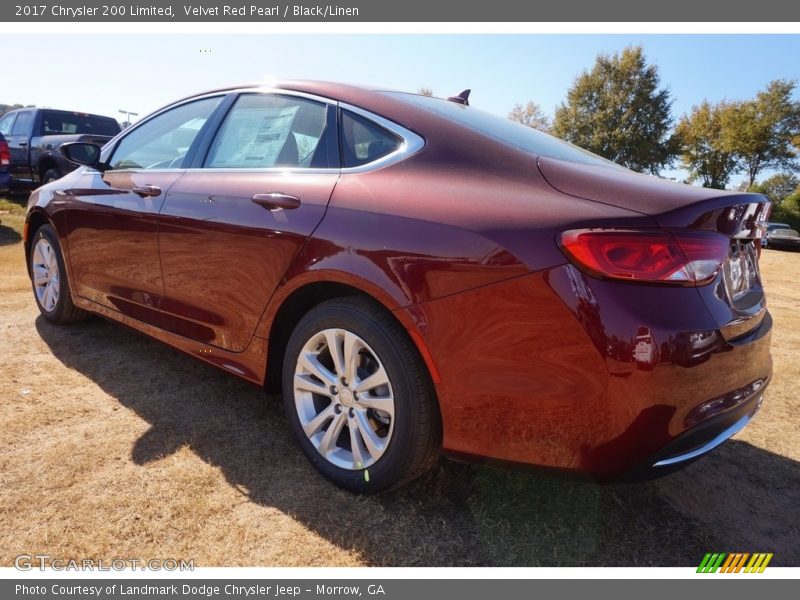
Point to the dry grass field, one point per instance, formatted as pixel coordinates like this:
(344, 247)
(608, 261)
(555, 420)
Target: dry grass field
(114, 445)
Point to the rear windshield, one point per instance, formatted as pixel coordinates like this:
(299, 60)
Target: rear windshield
(57, 123)
(504, 131)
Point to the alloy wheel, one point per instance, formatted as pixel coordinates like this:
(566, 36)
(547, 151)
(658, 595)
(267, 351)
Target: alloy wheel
(46, 280)
(344, 399)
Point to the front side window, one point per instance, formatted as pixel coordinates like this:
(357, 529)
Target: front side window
(164, 141)
(270, 130)
(363, 141)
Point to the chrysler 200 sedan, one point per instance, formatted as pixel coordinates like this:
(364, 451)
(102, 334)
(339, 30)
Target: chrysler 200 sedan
(418, 277)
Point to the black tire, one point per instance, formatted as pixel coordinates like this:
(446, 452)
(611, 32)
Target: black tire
(416, 437)
(51, 175)
(64, 311)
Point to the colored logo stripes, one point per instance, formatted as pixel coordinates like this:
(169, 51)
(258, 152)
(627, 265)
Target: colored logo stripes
(734, 562)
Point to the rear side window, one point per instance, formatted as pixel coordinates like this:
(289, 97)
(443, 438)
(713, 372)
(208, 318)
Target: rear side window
(263, 131)
(22, 126)
(363, 141)
(65, 123)
(6, 123)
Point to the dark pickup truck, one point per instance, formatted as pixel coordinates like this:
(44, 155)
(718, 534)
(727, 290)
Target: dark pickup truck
(35, 136)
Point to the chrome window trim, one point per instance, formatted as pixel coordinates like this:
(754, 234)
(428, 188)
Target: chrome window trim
(411, 142)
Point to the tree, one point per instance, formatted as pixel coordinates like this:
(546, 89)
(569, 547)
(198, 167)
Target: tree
(530, 115)
(4, 108)
(778, 187)
(618, 110)
(707, 145)
(425, 91)
(768, 131)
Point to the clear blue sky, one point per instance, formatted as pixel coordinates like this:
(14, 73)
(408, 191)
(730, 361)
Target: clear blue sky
(142, 72)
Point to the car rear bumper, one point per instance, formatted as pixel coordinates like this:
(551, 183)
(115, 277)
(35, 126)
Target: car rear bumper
(5, 181)
(697, 441)
(560, 370)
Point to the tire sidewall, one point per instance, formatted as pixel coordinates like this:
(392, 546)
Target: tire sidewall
(394, 463)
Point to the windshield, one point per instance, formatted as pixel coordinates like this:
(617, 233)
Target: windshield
(505, 131)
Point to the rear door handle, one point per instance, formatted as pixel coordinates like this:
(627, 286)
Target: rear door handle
(147, 190)
(277, 201)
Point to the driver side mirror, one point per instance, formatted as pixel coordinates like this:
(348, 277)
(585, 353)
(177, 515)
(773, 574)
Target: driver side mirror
(83, 153)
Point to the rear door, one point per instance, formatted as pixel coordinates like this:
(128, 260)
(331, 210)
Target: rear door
(232, 224)
(112, 216)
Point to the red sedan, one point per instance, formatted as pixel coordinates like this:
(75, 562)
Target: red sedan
(418, 277)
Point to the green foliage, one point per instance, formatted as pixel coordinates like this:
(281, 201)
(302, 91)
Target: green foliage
(707, 143)
(788, 211)
(768, 130)
(618, 110)
(4, 108)
(531, 115)
(778, 187)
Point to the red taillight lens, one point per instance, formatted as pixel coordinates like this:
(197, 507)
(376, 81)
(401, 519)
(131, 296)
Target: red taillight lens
(5, 154)
(681, 257)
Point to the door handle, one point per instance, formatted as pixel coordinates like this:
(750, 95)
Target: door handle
(147, 190)
(277, 201)
(23, 144)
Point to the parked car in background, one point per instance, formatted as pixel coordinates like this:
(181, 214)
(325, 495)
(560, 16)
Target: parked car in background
(771, 229)
(782, 237)
(418, 276)
(35, 136)
(5, 161)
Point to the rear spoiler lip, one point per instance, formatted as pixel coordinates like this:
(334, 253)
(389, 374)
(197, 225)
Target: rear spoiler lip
(740, 216)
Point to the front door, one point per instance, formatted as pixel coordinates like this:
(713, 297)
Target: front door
(112, 216)
(231, 226)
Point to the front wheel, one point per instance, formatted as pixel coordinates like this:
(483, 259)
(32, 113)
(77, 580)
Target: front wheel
(358, 397)
(49, 279)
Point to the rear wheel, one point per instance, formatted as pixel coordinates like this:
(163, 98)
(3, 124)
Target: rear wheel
(358, 397)
(51, 175)
(49, 279)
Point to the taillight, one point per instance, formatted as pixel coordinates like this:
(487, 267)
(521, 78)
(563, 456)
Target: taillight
(5, 154)
(680, 257)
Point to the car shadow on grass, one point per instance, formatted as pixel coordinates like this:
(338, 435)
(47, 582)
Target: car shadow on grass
(740, 498)
(8, 235)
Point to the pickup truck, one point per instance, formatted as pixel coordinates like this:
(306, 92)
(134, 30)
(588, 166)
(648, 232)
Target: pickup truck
(35, 136)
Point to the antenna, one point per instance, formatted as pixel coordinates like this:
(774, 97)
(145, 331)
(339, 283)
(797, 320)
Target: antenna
(462, 98)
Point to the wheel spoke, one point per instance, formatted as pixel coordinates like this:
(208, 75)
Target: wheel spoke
(50, 258)
(373, 443)
(315, 424)
(328, 442)
(355, 445)
(305, 383)
(333, 339)
(382, 403)
(350, 360)
(311, 363)
(48, 294)
(39, 275)
(379, 377)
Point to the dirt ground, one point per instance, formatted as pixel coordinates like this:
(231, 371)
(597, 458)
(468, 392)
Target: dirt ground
(114, 445)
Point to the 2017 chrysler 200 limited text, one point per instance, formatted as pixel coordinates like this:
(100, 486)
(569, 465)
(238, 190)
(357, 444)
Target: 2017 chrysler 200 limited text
(418, 276)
